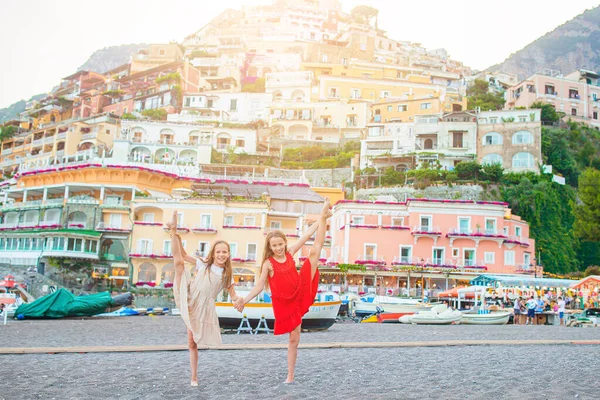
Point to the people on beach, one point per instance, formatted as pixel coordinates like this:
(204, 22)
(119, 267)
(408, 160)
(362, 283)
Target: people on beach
(561, 311)
(292, 293)
(195, 296)
(531, 305)
(517, 311)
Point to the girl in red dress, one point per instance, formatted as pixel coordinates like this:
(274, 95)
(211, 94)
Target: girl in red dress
(292, 293)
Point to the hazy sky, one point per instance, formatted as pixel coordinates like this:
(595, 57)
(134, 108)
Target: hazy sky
(45, 40)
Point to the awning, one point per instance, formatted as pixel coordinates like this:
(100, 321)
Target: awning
(520, 281)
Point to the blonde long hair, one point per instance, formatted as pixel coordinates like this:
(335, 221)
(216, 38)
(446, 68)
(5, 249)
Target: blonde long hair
(268, 253)
(227, 268)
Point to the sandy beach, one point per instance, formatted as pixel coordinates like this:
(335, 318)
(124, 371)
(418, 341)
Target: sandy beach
(471, 372)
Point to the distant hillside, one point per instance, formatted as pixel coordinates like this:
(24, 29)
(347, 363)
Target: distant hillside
(101, 61)
(15, 109)
(111, 57)
(573, 45)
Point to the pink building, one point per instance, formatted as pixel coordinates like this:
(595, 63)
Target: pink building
(456, 239)
(577, 94)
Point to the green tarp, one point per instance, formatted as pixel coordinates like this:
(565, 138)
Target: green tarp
(63, 303)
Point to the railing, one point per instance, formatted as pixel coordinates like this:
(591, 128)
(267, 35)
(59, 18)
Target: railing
(7, 151)
(103, 226)
(88, 136)
(469, 262)
(8, 225)
(76, 225)
(426, 230)
(369, 259)
(118, 205)
(82, 201)
(113, 257)
(479, 232)
(61, 135)
(203, 228)
(400, 260)
(38, 142)
(517, 240)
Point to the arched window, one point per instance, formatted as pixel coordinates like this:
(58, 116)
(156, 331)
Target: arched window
(492, 138)
(491, 159)
(522, 137)
(522, 160)
(147, 273)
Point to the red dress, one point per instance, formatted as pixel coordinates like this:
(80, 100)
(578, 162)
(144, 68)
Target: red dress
(292, 293)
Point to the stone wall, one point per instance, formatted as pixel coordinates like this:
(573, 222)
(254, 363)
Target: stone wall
(315, 177)
(456, 192)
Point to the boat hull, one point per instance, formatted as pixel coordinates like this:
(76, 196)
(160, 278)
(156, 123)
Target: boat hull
(364, 309)
(486, 319)
(320, 316)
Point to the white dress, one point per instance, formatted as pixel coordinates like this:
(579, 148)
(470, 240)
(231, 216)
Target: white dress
(195, 298)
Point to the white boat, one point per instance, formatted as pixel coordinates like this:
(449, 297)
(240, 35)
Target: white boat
(438, 315)
(320, 316)
(491, 318)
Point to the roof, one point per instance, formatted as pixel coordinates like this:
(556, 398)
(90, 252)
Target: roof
(588, 280)
(521, 280)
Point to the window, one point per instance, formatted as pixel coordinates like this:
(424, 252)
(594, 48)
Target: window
(344, 61)
(358, 220)
(333, 92)
(251, 251)
(385, 94)
(464, 225)
(145, 246)
(203, 249)
(206, 221)
(405, 254)
(233, 105)
(573, 94)
(402, 107)
(469, 257)
(240, 143)
(228, 220)
(425, 106)
(390, 108)
(549, 89)
(522, 160)
(324, 57)
(493, 120)
(167, 251)
(370, 252)
(187, 102)
(518, 231)
(522, 137)
(492, 138)
(509, 258)
(490, 226)
(438, 256)
(209, 103)
(355, 94)
(275, 224)
(148, 217)
(457, 139)
(425, 224)
(489, 257)
(397, 221)
(115, 221)
(522, 118)
(595, 115)
(232, 250)
(455, 252)
(249, 221)
(505, 231)
(526, 259)
(161, 52)
(574, 111)
(180, 219)
(491, 159)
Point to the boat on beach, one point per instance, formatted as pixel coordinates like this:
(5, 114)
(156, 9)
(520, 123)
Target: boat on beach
(438, 315)
(393, 307)
(491, 318)
(321, 315)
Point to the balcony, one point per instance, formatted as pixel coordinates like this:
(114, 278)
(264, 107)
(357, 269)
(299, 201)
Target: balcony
(108, 227)
(147, 223)
(400, 261)
(180, 228)
(77, 225)
(518, 240)
(204, 229)
(426, 230)
(370, 260)
(470, 264)
(116, 205)
(476, 235)
(250, 258)
(149, 255)
(7, 151)
(27, 205)
(83, 201)
(293, 233)
(113, 257)
(251, 227)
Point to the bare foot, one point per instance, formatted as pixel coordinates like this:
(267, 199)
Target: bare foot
(172, 225)
(289, 380)
(194, 383)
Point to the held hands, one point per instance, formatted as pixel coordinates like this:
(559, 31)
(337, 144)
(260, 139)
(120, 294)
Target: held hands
(238, 303)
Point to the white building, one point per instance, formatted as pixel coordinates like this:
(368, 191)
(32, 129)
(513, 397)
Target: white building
(290, 86)
(178, 143)
(232, 107)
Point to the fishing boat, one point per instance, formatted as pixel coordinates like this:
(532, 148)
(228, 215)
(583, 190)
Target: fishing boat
(438, 315)
(320, 316)
(491, 318)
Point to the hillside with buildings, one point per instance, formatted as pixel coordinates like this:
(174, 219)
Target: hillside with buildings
(247, 124)
(571, 46)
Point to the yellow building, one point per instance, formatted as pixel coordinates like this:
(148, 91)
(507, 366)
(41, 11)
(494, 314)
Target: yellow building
(405, 110)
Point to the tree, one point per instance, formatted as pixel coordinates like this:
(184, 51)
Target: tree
(364, 14)
(493, 172)
(7, 132)
(549, 114)
(587, 209)
(592, 270)
(478, 95)
(470, 170)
